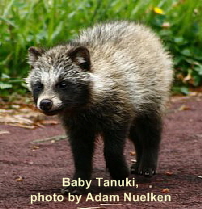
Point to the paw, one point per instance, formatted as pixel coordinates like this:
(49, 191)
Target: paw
(147, 172)
(141, 169)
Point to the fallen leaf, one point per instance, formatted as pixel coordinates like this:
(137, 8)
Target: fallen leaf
(132, 153)
(49, 139)
(166, 190)
(193, 94)
(23, 126)
(188, 77)
(169, 173)
(15, 106)
(4, 132)
(34, 148)
(50, 122)
(19, 178)
(22, 115)
(184, 107)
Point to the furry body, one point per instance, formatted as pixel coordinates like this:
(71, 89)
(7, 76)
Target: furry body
(112, 80)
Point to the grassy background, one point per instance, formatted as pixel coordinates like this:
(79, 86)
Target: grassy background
(47, 22)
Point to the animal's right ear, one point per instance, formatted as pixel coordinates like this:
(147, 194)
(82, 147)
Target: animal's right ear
(34, 54)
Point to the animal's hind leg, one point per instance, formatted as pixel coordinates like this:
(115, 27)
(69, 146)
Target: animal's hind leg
(138, 148)
(146, 137)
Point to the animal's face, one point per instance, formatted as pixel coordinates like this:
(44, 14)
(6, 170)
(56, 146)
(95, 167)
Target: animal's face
(59, 78)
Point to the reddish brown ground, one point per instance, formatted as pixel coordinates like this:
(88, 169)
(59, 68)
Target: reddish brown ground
(26, 170)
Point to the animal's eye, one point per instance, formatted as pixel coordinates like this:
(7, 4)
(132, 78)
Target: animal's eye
(62, 85)
(38, 86)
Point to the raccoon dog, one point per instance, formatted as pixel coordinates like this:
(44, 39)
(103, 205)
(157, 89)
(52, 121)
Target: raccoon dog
(112, 80)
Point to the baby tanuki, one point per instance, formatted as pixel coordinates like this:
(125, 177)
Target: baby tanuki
(112, 80)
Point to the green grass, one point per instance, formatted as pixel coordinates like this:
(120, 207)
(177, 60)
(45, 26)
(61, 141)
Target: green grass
(47, 22)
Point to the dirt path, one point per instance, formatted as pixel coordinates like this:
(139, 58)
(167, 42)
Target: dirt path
(29, 169)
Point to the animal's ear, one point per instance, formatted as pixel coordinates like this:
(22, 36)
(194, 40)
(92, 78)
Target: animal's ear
(81, 56)
(34, 54)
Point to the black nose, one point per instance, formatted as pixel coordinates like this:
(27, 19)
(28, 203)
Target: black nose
(46, 104)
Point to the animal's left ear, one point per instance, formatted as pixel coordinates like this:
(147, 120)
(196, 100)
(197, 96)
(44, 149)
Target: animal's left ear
(81, 56)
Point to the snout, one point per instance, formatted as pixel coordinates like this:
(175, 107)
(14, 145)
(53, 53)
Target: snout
(46, 105)
(51, 106)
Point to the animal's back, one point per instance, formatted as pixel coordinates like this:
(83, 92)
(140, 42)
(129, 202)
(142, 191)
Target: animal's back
(129, 57)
